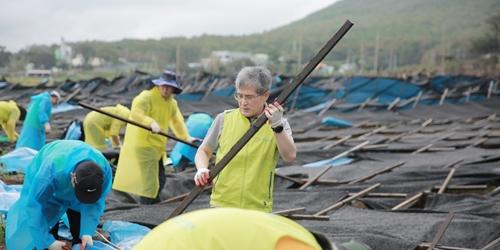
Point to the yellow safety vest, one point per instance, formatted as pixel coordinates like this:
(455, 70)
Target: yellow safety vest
(9, 114)
(97, 127)
(248, 180)
(229, 229)
(137, 170)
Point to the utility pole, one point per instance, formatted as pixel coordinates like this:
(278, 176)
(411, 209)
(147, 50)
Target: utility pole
(375, 59)
(178, 60)
(361, 56)
(443, 50)
(299, 51)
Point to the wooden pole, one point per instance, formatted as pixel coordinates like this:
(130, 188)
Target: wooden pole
(327, 107)
(408, 202)
(321, 173)
(443, 97)
(348, 199)
(387, 169)
(417, 99)
(87, 106)
(442, 230)
(290, 211)
(447, 181)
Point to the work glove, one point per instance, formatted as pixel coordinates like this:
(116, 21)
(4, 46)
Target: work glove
(155, 127)
(58, 245)
(47, 128)
(202, 177)
(193, 139)
(274, 113)
(86, 241)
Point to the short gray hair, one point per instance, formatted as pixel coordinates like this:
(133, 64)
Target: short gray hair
(258, 77)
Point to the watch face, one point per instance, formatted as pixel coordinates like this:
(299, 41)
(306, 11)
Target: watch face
(278, 129)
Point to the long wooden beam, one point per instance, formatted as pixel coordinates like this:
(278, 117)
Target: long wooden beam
(123, 119)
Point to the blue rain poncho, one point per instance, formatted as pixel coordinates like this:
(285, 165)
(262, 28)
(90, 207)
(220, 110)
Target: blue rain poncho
(47, 194)
(33, 131)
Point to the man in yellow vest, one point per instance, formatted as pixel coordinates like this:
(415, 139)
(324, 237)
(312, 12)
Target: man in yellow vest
(10, 113)
(140, 168)
(247, 181)
(230, 228)
(97, 127)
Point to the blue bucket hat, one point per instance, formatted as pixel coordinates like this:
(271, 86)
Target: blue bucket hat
(168, 78)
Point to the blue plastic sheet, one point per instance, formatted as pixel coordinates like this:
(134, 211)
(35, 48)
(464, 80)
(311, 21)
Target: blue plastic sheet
(197, 125)
(63, 107)
(440, 83)
(125, 234)
(98, 245)
(189, 96)
(359, 89)
(8, 195)
(338, 162)
(74, 131)
(227, 91)
(308, 97)
(17, 160)
(336, 122)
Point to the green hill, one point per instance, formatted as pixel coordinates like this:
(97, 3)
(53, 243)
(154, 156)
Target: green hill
(410, 32)
(408, 27)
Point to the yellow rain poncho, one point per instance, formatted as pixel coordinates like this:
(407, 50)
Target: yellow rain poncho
(227, 229)
(97, 127)
(137, 170)
(9, 114)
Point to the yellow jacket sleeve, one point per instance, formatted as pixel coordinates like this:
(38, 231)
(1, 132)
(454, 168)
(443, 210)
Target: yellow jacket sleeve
(140, 107)
(10, 125)
(115, 127)
(177, 125)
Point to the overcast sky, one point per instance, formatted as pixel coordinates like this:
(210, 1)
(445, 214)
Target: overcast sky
(27, 22)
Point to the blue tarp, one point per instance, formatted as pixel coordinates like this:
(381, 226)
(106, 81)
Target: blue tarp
(63, 107)
(338, 162)
(98, 245)
(189, 96)
(336, 122)
(8, 195)
(308, 97)
(197, 125)
(125, 234)
(440, 83)
(225, 92)
(359, 89)
(17, 160)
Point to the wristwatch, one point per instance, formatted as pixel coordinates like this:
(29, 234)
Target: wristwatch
(278, 129)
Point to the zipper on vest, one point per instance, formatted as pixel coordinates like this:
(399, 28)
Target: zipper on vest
(270, 183)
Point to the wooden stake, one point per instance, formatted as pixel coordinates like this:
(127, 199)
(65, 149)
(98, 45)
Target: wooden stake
(442, 230)
(290, 211)
(393, 104)
(443, 97)
(342, 140)
(322, 172)
(387, 169)
(417, 99)
(347, 200)
(327, 107)
(409, 202)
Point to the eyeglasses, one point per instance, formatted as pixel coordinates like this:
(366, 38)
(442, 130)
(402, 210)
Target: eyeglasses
(240, 97)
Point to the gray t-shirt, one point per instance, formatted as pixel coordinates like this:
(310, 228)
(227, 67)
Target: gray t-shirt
(211, 140)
